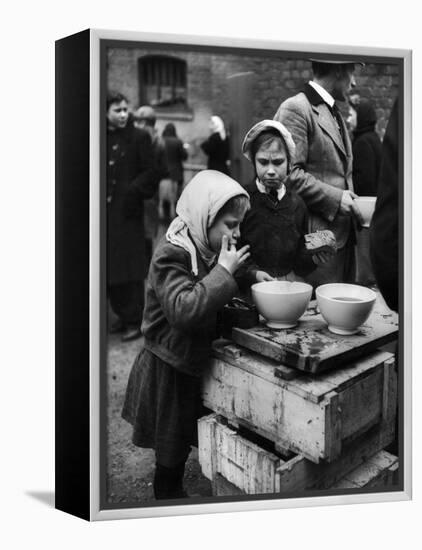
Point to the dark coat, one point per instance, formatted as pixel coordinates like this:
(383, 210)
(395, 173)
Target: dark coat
(131, 178)
(384, 231)
(176, 154)
(366, 152)
(218, 152)
(275, 234)
(163, 395)
(180, 315)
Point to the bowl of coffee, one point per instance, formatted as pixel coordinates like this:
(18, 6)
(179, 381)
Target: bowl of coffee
(345, 307)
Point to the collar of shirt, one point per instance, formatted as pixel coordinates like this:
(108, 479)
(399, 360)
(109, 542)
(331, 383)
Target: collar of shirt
(328, 98)
(280, 192)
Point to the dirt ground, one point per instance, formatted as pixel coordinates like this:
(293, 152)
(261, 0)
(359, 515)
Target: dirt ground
(130, 469)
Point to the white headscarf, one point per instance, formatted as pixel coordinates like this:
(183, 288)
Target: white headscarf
(217, 125)
(263, 126)
(197, 208)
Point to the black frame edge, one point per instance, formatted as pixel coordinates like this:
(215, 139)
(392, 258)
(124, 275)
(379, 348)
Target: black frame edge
(72, 420)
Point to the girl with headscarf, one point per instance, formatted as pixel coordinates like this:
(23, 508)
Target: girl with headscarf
(275, 225)
(217, 146)
(190, 279)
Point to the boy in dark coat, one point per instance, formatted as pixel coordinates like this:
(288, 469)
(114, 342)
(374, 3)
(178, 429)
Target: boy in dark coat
(131, 178)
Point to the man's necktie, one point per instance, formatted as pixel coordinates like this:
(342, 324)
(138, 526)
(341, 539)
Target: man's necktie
(339, 120)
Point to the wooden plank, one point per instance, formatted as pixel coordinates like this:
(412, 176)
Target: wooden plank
(221, 487)
(206, 447)
(376, 472)
(333, 427)
(242, 463)
(252, 362)
(361, 404)
(311, 347)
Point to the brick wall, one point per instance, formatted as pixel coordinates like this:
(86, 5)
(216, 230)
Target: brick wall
(275, 79)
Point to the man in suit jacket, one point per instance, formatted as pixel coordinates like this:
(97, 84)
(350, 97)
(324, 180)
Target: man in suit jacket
(322, 169)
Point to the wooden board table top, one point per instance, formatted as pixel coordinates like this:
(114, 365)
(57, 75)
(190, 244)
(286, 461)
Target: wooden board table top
(312, 348)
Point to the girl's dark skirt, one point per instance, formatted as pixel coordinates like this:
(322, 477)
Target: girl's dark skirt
(163, 405)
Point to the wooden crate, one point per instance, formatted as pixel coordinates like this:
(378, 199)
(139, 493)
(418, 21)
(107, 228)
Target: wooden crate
(311, 415)
(235, 465)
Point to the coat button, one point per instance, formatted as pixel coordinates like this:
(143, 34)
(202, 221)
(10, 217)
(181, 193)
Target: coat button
(111, 162)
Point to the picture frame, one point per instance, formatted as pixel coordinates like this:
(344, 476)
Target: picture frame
(83, 74)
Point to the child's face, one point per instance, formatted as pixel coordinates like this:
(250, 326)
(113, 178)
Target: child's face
(118, 114)
(227, 224)
(271, 164)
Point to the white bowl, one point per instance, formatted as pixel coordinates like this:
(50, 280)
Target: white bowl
(281, 302)
(366, 207)
(345, 307)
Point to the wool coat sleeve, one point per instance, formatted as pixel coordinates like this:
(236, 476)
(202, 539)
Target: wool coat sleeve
(319, 196)
(188, 303)
(384, 231)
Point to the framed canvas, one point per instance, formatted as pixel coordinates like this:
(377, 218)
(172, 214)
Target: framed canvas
(299, 416)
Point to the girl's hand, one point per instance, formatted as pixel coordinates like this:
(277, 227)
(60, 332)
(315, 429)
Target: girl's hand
(262, 276)
(229, 257)
(322, 257)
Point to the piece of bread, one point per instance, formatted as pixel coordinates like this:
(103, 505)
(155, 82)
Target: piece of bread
(320, 241)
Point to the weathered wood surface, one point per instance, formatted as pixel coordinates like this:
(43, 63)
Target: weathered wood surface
(378, 471)
(246, 465)
(235, 465)
(311, 347)
(311, 415)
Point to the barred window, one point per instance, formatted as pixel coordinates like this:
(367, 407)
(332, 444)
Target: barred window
(162, 81)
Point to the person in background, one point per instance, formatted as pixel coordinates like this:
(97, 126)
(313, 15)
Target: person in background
(366, 150)
(384, 230)
(216, 147)
(190, 279)
(366, 167)
(145, 118)
(277, 221)
(131, 179)
(176, 154)
(384, 233)
(322, 168)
